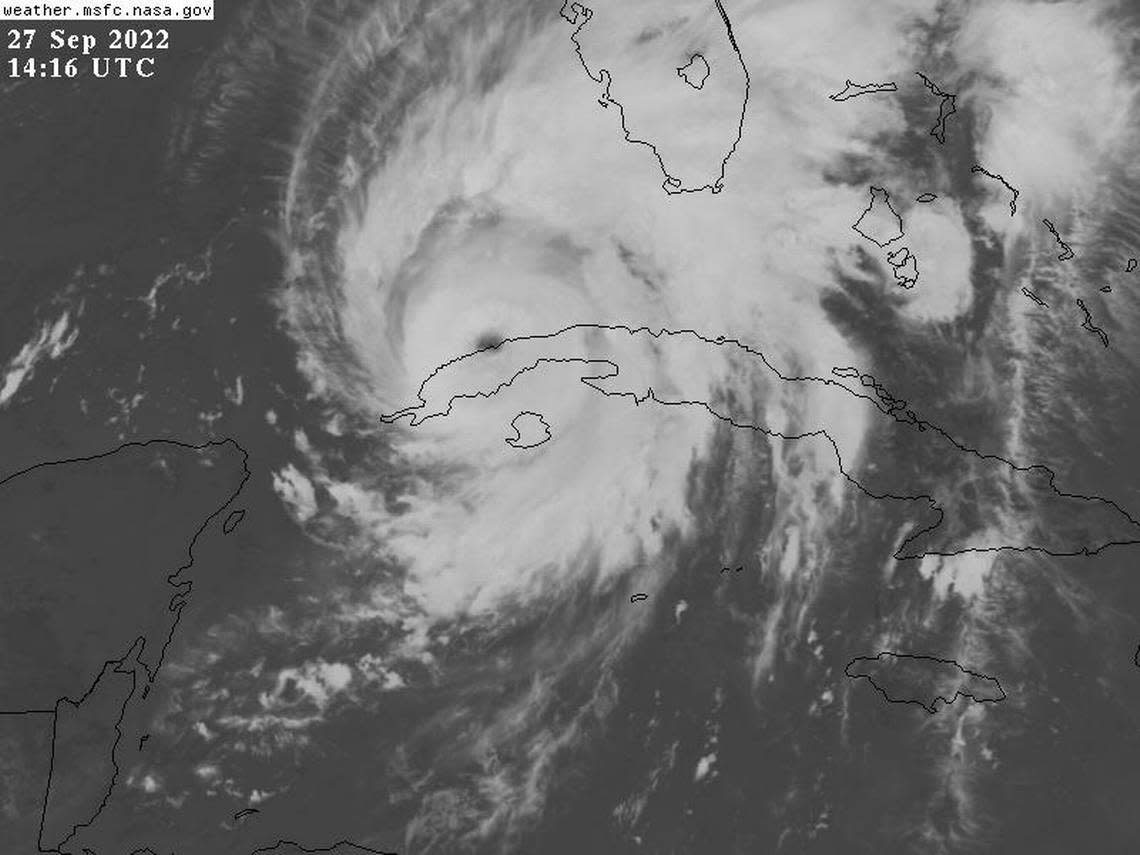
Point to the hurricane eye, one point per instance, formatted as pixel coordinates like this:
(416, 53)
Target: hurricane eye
(488, 340)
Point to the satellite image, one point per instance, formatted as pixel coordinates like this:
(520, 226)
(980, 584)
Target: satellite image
(556, 428)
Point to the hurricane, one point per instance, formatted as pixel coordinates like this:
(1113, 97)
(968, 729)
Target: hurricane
(605, 439)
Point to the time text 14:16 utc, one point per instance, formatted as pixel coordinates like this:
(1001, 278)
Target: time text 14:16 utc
(97, 66)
